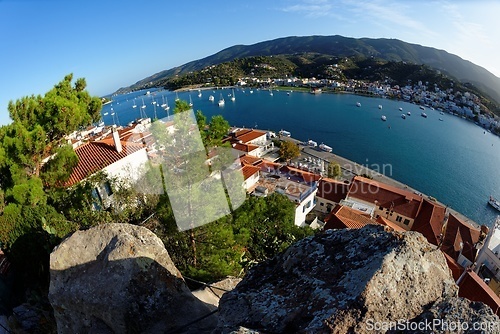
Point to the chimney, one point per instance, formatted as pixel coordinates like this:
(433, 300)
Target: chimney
(116, 140)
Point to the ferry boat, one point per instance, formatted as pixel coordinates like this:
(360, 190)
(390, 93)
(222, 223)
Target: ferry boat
(325, 148)
(494, 203)
(285, 133)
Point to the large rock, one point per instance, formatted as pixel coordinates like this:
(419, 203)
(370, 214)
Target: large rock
(118, 278)
(340, 281)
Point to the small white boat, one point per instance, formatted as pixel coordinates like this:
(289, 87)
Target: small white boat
(190, 101)
(400, 109)
(358, 104)
(199, 93)
(285, 133)
(176, 96)
(408, 113)
(441, 119)
(424, 115)
(380, 106)
(163, 105)
(251, 92)
(221, 101)
(233, 98)
(383, 118)
(143, 105)
(421, 107)
(211, 98)
(312, 143)
(403, 116)
(494, 203)
(325, 148)
(135, 105)
(270, 92)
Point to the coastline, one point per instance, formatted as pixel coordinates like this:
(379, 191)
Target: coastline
(350, 169)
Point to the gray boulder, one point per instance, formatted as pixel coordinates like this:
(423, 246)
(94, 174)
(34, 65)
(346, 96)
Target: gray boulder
(118, 278)
(339, 282)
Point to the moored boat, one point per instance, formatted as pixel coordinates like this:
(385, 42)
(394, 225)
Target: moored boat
(403, 116)
(325, 148)
(285, 133)
(494, 203)
(358, 104)
(383, 118)
(424, 115)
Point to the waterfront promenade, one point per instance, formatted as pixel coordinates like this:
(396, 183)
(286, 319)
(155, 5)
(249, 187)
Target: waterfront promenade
(350, 169)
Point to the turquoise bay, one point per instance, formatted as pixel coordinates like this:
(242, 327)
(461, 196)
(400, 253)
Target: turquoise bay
(452, 160)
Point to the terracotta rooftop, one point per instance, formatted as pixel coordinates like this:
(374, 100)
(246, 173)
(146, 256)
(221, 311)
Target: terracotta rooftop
(244, 147)
(332, 190)
(430, 221)
(474, 288)
(456, 269)
(96, 155)
(247, 136)
(345, 217)
(401, 201)
(382, 221)
(249, 170)
(457, 232)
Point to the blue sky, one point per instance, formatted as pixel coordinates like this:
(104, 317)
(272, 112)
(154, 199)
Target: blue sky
(116, 43)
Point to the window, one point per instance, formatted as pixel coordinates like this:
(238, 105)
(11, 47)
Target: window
(406, 222)
(96, 200)
(107, 188)
(399, 219)
(321, 204)
(381, 208)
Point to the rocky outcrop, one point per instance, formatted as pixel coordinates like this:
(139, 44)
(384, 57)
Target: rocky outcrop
(346, 281)
(118, 278)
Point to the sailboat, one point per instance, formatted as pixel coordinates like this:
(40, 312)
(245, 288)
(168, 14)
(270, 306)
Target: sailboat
(211, 98)
(167, 107)
(163, 105)
(176, 97)
(190, 101)
(135, 105)
(221, 101)
(233, 98)
(199, 93)
(270, 92)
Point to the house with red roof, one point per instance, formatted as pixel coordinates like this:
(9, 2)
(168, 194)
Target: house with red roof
(330, 193)
(345, 217)
(430, 221)
(250, 141)
(473, 287)
(460, 240)
(400, 206)
(117, 158)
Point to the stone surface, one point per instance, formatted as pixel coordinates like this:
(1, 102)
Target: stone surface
(118, 278)
(338, 282)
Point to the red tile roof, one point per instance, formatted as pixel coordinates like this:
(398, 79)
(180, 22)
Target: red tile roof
(458, 231)
(244, 147)
(96, 155)
(247, 136)
(474, 288)
(382, 221)
(456, 269)
(249, 170)
(401, 201)
(332, 190)
(345, 217)
(430, 221)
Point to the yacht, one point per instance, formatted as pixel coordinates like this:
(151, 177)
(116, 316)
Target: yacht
(494, 203)
(285, 133)
(221, 101)
(325, 148)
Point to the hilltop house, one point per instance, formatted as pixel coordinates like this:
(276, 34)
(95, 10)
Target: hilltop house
(116, 155)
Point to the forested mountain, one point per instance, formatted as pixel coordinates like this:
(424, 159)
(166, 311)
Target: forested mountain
(339, 46)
